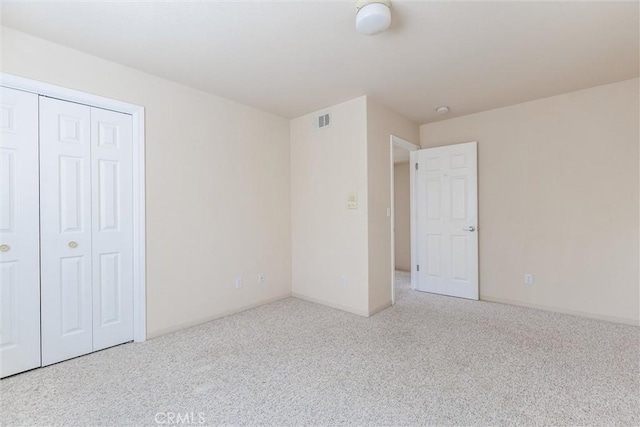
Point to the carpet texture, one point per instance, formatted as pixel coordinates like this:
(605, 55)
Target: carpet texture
(427, 360)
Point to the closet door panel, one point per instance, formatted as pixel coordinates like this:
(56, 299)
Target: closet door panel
(112, 234)
(19, 233)
(65, 199)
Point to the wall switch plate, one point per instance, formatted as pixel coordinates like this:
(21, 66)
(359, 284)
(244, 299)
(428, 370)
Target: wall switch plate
(388, 212)
(352, 201)
(238, 282)
(261, 278)
(528, 279)
(343, 281)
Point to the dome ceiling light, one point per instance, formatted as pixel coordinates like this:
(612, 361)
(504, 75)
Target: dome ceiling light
(373, 16)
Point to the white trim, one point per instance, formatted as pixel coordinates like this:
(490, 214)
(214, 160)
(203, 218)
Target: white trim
(603, 317)
(190, 324)
(413, 159)
(381, 307)
(399, 142)
(139, 233)
(363, 313)
(139, 230)
(46, 89)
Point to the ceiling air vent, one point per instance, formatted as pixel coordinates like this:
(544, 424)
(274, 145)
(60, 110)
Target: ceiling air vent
(324, 121)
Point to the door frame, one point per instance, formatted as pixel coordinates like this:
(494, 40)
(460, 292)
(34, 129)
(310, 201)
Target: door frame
(401, 143)
(139, 233)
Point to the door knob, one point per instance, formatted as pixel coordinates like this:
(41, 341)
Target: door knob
(73, 245)
(5, 248)
(470, 228)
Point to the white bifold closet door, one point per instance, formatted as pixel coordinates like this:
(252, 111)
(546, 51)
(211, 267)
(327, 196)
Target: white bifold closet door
(65, 201)
(86, 229)
(112, 227)
(19, 233)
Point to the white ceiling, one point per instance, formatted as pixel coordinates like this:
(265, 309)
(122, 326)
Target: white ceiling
(292, 58)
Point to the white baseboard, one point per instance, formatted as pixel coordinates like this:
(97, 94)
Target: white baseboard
(220, 315)
(379, 308)
(613, 319)
(330, 304)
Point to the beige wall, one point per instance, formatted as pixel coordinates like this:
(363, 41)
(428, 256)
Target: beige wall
(558, 195)
(402, 216)
(218, 188)
(381, 124)
(558, 188)
(329, 240)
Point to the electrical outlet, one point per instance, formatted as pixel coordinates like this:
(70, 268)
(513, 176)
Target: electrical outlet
(238, 282)
(528, 279)
(261, 278)
(343, 281)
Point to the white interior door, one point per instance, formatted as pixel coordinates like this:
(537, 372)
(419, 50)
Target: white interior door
(19, 233)
(112, 234)
(447, 220)
(65, 200)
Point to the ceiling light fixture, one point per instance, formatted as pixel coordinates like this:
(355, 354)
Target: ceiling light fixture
(373, 16)
(442, 110)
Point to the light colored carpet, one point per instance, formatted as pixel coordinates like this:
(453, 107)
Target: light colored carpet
(427, 360)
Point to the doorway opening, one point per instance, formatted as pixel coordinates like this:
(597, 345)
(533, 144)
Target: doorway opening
(401, 221)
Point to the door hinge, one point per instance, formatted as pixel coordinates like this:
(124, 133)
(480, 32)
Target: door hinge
(418, 267)
(416, 166)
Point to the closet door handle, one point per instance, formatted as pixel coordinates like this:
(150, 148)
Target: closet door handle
(5, 248)
(73, 245)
